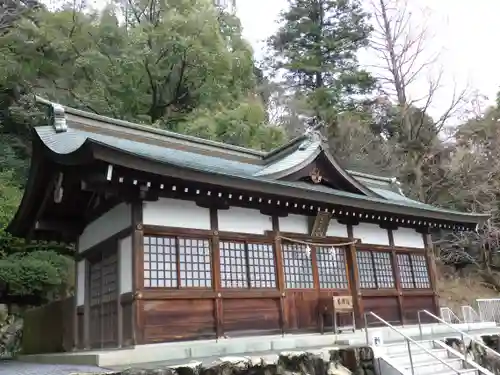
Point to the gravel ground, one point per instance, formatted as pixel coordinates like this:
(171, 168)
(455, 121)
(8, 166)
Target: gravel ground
(10, 367)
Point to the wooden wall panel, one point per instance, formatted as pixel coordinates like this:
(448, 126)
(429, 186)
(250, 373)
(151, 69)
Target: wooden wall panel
(251, 314)
(171, 320)
(412, 304)
(385, 307)
(301, 308)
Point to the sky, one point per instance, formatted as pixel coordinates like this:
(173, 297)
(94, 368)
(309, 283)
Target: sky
(463, 32)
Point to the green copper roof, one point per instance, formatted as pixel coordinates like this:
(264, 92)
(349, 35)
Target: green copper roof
(383, 188)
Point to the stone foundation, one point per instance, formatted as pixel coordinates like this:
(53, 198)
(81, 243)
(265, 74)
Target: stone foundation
(480, 355)
(327, 361)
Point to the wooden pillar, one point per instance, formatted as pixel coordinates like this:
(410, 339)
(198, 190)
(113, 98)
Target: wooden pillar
(86, 307)
(397, 277)
(119, 309)
(75, 313)
(278, 256)
(218, 312)
(137, 272)
(431, 266)
(354, 280)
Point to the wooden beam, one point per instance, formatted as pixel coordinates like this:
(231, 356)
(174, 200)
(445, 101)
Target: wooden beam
(39, 212)
(69, 227)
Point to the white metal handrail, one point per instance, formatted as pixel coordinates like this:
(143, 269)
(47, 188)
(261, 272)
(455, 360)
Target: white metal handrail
(447, 311)
(470, 315)
(462, 333)
(408, 341)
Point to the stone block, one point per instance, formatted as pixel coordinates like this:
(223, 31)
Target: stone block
(325, 361)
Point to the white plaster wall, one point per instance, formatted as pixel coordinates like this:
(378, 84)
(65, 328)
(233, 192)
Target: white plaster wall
(244, 220)
(408, 237)
(335, 229)
(125, 249)
(371, 234)
(80, 283)
(294, 224)
(176, 213)
(110, 223)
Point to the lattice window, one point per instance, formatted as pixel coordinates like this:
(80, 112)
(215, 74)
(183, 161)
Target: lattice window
(297, 267)
(172, 262)
(247, 265)
(375, 270)
(420, 271)
(365, 270)
(384, 273)
(332, 268)
(261, 266)
(405, 272)
(233, 265)
(194, 263)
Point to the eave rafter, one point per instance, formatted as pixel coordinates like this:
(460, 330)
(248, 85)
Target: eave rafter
(145, 185)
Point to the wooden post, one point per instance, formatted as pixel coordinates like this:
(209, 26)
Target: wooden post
(431, 266)
(278, 256)
(218, 313)
(119, 310)
(354, 280)
(397, 277)
(137, 271)
(75, 313)
(86, 307)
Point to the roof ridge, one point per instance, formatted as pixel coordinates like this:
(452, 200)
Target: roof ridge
(166, 133)
(391, 180)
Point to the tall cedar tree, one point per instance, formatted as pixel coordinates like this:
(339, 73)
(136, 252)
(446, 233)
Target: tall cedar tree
(315, 51)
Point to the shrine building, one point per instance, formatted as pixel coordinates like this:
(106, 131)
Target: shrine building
(180, 238)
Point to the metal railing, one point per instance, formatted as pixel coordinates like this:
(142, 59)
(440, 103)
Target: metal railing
(470, 315)
(449, 316)
(462, 334)
(408, 340)
(489, 309)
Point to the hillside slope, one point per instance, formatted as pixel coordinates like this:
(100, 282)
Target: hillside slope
(458, 288)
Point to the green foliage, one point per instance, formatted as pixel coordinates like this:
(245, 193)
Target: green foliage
(27, 269)
(316, 49)
(181, 65)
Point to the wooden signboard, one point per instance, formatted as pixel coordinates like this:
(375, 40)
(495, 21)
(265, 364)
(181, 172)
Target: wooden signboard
(319, 225)
(342, 304)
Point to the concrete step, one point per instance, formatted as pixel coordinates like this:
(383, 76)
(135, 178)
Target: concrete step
(433, 366)
(461, 372)
(402, 347)
(420, 356)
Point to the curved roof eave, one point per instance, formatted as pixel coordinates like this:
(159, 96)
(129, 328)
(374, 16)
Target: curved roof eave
(267, 186)
(35, 189)
(43, 160)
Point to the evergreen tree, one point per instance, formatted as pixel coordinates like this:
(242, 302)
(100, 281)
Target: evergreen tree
(315, 50)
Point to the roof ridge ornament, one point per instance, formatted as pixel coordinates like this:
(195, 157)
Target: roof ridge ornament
(313, 133)
(56, 113)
